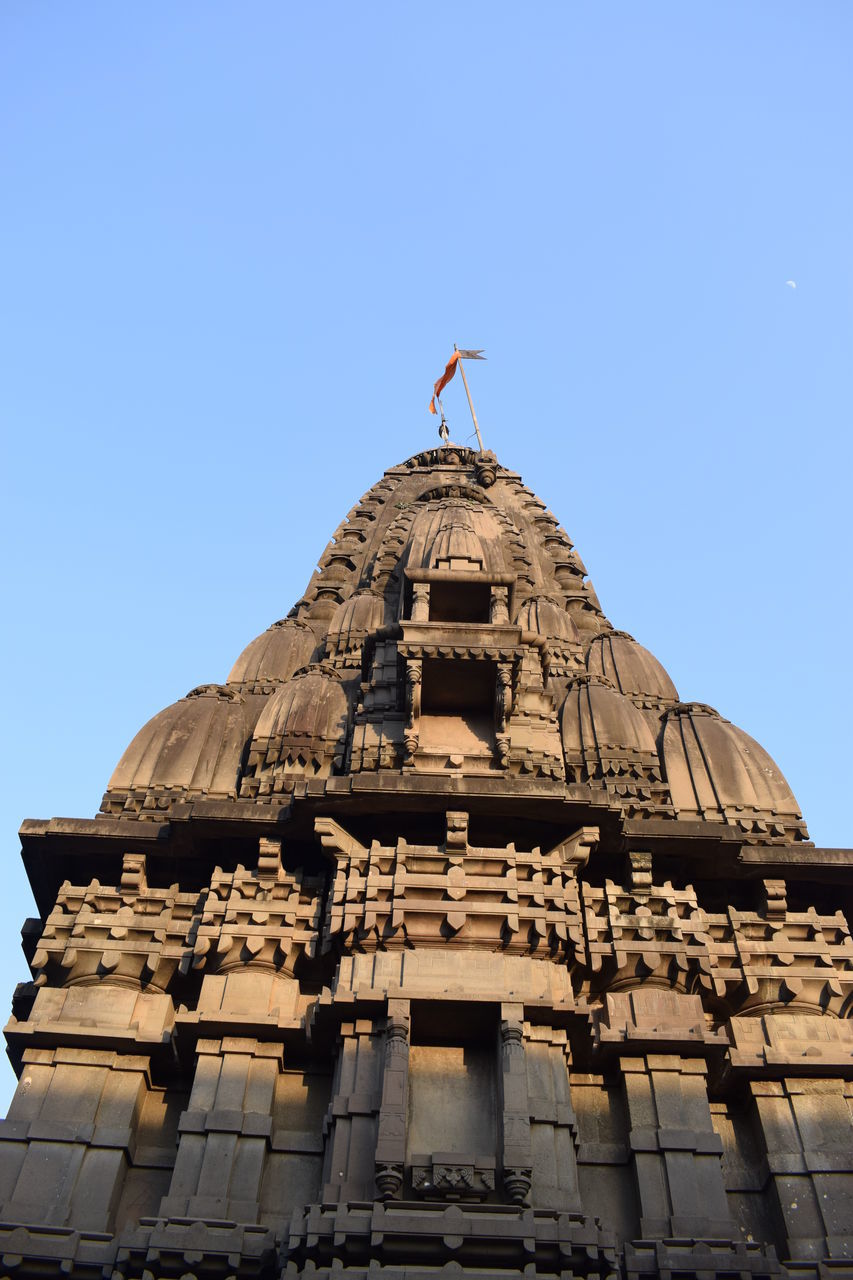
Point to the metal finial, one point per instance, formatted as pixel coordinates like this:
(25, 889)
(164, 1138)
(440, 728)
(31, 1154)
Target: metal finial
(443, 430)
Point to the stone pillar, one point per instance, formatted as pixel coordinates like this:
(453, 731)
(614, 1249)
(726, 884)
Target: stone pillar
(503, 710)
(391, 1142)
(499, 606)
(553, 1127)
(676, 1154)
(794, 1066)
(69, 1136)
(420, 602)
(412, 729)
(70, 1132)
(807, 1127)
(225, 1132)
(516, 1154)
(349, 1169)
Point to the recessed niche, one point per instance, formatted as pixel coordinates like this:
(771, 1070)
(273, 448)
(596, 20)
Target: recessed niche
(459, 601)
(458, 706)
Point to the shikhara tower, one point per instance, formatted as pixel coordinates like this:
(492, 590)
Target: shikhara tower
(441, 939)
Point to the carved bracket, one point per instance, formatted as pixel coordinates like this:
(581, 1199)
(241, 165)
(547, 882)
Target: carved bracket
(517, 1184)
(447, 1176)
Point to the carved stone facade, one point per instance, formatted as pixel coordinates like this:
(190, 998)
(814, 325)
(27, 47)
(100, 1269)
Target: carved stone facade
(442, 939)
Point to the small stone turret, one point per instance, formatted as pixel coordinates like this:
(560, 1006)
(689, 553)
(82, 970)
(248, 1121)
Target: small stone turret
(717, 773)
(299, 733)
(193, 748)
(274, 656)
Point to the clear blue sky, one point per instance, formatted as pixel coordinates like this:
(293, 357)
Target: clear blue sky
(238, 242)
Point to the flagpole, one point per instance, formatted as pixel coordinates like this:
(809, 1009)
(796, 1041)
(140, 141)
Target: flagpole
(470, 401)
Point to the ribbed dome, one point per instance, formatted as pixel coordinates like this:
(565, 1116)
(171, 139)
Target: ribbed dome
(629, 667)
(300, 731)
(456, 535)
(598, 721)
(542, 616)
(192, 748)
(356, 618)
(275, 655)
(719, 773)
(607, 742)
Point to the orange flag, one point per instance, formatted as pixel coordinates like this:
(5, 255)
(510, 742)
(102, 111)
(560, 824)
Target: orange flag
(449, 370)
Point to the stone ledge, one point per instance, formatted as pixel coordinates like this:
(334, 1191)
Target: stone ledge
(206, 1247)
(703, 1259)
(486, 1235)
(56, 1251)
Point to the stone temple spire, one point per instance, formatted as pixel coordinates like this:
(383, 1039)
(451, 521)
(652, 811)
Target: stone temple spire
(441, 939)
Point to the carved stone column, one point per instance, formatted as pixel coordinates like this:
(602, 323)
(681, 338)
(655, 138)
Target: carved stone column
(807, 1127)
(503, 710)
(420, 602)
(86, 1046)
(516, 1151)
(391, 1142)
(349, 1170)
(553, 1126)
(675, 1152)
(499, 606)
(411, 733)
(225, 1132)
(63, 1163)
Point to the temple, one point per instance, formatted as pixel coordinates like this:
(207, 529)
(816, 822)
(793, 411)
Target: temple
(440, 940)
